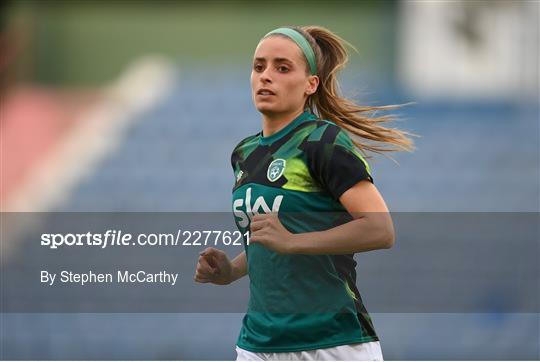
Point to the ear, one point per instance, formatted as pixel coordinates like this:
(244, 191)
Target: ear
(313, 84)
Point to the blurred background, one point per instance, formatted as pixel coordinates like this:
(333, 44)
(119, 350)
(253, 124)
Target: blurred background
(136, 106)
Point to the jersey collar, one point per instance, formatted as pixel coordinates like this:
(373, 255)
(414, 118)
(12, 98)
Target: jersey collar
(305, 116)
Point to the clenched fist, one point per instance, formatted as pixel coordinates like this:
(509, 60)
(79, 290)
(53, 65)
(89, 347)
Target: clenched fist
(267, 230)
(214, 267)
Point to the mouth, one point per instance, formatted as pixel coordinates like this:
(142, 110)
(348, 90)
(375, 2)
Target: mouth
(265, 92)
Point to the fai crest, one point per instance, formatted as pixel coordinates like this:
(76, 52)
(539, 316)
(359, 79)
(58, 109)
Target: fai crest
(276, 169)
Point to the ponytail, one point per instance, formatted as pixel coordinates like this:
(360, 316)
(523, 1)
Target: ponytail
(329, 104)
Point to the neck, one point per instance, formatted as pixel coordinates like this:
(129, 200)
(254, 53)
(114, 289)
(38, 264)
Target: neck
(273, 123)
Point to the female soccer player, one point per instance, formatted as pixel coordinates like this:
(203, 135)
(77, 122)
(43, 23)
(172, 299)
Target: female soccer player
(304, 192)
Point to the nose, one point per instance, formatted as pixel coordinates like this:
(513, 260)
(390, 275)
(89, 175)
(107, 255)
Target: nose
(265, 76)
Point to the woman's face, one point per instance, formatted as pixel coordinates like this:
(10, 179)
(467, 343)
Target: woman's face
(280, 83)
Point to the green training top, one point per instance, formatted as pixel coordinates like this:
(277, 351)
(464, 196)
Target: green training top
(299, 302)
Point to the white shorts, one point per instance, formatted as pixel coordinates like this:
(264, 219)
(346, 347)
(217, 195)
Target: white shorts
(368, 351)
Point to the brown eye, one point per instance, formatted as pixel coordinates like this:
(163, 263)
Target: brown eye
(283, 69)
(258, 68)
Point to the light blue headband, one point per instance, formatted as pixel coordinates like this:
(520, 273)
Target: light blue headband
(299, 39)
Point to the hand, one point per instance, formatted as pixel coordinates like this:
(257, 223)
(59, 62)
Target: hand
(267, 230)
(214, 267)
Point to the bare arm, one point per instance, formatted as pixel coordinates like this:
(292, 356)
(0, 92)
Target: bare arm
(371, 228)
(239, 266)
